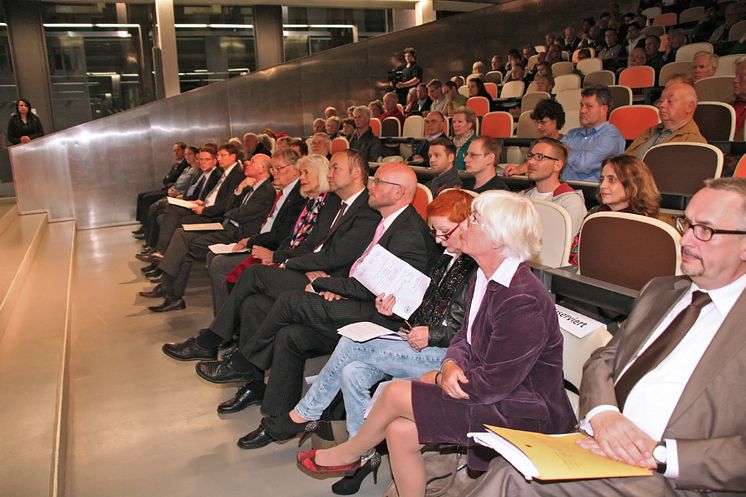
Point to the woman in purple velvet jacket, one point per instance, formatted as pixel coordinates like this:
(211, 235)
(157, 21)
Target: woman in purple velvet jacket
(504, 367)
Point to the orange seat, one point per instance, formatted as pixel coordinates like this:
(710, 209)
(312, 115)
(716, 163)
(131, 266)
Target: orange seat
(634, 119)
(667, 19)
(480, 105)
(638, 77)
(740, 171)
(491, 89)
(498, 124)
(339, 143)
(422, 199)
(375, 126)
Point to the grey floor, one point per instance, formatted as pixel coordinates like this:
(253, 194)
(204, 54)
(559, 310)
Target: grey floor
(141, 424)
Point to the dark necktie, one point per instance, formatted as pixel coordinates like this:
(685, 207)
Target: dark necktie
(246, 197)
(335, 223)
(274, 206)
(661, 347)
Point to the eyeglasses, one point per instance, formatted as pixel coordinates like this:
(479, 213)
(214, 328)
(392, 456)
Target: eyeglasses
(444, 236)
(379, 181)
(472, 155)
(275, 170)
(702, 232)
(537, 156)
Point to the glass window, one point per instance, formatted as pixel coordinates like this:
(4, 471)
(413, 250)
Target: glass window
(8, 89)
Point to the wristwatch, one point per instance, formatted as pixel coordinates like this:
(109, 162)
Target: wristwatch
(660, 455)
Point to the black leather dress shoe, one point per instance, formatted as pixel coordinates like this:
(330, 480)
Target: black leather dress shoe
(170, 304)
(189, 350)
(156, 293)
(247, 395)
(157, 280)
(149, 267)
(153, 257)
(255, 440)
(154, 273)
(139, 230)
(139, 236)
(223, 372)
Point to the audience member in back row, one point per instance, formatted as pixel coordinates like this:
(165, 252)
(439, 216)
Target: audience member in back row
(332, 125)
(739, 91)
(363, 140)
(626, 185)
(411, 75)
(144, 199)
(676, 109)
(434, 123)
(321, 144)
(612, 51)
(455, 99)
(421, 104)
(545, 162)
(319, 125)
(595, 140)
(436, 95)
(442, 153)
(464, 126)
(481, 162)
(482, 379)
(704, 65)
(548, 117)
(653, 54)
(390, 107)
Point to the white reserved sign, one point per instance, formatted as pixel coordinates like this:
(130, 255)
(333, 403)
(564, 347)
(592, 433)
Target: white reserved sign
(576, 323)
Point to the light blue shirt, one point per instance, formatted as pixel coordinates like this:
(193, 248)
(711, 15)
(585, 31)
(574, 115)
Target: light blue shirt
(589, 147)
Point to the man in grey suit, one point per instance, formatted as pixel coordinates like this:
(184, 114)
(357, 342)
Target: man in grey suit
(666, 393)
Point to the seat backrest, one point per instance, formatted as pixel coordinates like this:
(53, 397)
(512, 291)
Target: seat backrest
(338, 144)
(627, 249)
(572, 120)
(569, 99)
(491, 88)
(497, 124)
(531, 62)
(512, 89)
(715, 89)
(414, 126)
(602, 77)
(557, 234)
(566, 82)
(637, 77)
(686, 53)
(692, 14)
(493, 77)
(667, 19)
(391, 126)
(480, 105)
(576, 54)
(422, 198)
(540, 48)
(464, 90)
(653, 30)
(716, 120)
(526, 126)
(727, 65)
(470, 192)
(587, 66)
(375, 126)
(740, 171)
(621, 96)
(737, 31)
(532, 87)
(651, 12)
(562, 67)
(575, 353)
(681, 168)
(634, 119)
(530, 100)
(668, 70)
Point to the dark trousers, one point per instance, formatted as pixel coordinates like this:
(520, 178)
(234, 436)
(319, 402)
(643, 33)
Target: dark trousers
(171, 220)
(218, 267)
(144, 199)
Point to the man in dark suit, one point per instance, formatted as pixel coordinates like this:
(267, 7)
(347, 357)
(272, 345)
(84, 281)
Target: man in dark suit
(250, 205)
(434, 122)
(304, 324)
(211, 209)
(663, 394)
(144, 199)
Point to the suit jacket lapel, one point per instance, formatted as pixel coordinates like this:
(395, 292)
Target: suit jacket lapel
(659, 308)
(727, 342)
(350, 212)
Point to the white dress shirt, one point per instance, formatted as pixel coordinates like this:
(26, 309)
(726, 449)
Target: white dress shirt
(213, 195)
(267, 226)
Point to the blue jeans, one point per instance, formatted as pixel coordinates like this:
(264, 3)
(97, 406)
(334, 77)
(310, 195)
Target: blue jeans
(355, 367)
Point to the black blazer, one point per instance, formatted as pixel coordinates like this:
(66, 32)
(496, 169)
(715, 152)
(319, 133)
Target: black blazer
(251, 216)
(344, 245)
(225, 193)
(408, 238)
(211, 182)
(173, 174)
(17, 129)
(284, 222)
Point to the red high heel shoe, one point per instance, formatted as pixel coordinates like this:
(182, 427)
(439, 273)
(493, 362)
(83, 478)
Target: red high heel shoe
(307, 459)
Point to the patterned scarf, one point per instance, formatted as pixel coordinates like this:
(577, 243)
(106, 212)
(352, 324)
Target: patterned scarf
(307, 220)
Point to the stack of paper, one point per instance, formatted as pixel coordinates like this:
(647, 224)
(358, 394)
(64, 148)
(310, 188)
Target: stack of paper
(225, 248)
(364, 331)
(552, 457)
(181, 203)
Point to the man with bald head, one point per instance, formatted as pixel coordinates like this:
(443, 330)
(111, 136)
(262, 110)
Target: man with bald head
(302, 324)
(676, 108)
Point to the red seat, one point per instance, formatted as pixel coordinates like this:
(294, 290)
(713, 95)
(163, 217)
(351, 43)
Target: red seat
(638, 77)
(480, 105)
(375, 126)
(498, 124)
(339, 143)
(634, 119)
(667, 19)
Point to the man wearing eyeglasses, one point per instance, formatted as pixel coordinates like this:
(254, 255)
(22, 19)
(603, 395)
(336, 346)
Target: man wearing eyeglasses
(545, 162)
(666, 392)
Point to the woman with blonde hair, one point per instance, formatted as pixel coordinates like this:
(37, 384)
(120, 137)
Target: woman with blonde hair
(464, 125)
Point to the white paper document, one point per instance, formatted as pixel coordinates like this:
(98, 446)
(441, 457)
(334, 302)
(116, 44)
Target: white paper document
(364, 331)
(510, 452)
(576, 323)
(203, 227)
(181, 202)
(225, 248)
(383, 272)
